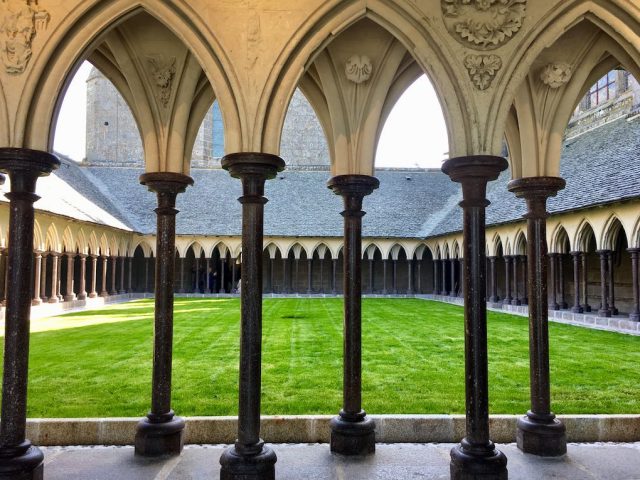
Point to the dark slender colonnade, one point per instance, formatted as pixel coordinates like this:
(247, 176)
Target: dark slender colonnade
(19, 460)
(352, 432)
(539, 432)
(249, 458)
(161, 432)
(476, 456)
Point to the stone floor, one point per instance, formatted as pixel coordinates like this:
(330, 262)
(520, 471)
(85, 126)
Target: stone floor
(602, 461)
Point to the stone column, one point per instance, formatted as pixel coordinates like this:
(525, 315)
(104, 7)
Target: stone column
(94, 276)
(18, 458)
(585, 282)
(3, 274)
(223, 280)
(82, 288)
(249, 458)
(43, 278)
(196, 276)
(36, 275)
(410, 277)
(371, 272)
(419, 275)
(452, 264)
(394, 276)
(234, 273)
(612, 294)
(604, 310)
(516, 293)
(576, 283)
(114, 264)
(436, 276)
(561, 301)
(334, 274)
(493, 273)
(55, 260)
(309, 275)
(160, 433)
(539, 432)
(476, 456)
(181, 289)
(122, 267)
(130, 276)
(352, 432)
(321, 260)
(507, 280)
(635, 283)
(443, 290)
(553, 257)
(69, 294)
(103, 284)
(384, 276)
(284, 275)
(525, 274)
(59, 278)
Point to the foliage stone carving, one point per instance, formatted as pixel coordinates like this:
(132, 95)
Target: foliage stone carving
(358, 68)
(482, 69)
(483, 24)
(20, 21)
(555, 75)
(162, 72)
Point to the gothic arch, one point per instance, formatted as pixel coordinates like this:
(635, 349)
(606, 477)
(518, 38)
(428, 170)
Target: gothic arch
(297, 248)
(54, 67)
(496, 244)
(612, 229)
(38, 240)
(405, 23)
(52, 239)
(583, 235)
(606, 16)
(273, 250)
(319, 246)
(68, 241)
(559, 240)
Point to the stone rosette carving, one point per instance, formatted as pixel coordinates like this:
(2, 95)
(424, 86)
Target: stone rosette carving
(20, 21)
(483, 24)
(162, 71)
(482, 69)
(555, 75)
(358, 68)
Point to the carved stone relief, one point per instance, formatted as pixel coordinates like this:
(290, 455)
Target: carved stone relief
(358, 68)
(162, 71)
(483, 24)
(555, 75)
(482, 69)
(20, 21)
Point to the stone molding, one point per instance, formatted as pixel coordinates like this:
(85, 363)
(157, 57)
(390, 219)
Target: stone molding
(358, 69)
(555, 75)
(162, 72)
(482, 69)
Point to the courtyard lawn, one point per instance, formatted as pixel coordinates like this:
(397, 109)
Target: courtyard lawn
(98, 363)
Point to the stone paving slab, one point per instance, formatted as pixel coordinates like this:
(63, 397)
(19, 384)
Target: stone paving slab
(598, 461)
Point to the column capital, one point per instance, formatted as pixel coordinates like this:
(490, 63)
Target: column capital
(633, 250)
(353, 188)
(24, 166)
(473, 172)
(166, 185)
(603, 251)
(536, 190)
(253, 168)
(577, 253)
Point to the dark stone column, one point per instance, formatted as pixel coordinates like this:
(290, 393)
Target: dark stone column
(284, 275)
(476, 457)
(130, 276)
(69, 295)
(160, 433)
(453, 291)
(576, 283)
(604, 310)
(196, 276)
(553, 262)
(82, 288)
(19, 460)
(296, 271)
(94, 276)
(371, 272)
(123, 290)
(419, 275)
(223, 280)
(493, 273)
(114, 264)
(443, 290)
(55, 260)
(516, 294)
(585, 282)
(3, 276)
(394, 276)
(352, 432)
(612, 294)
(321, 261)
(525, 275)
(410, 277)
(36, 274)
(59, 278)
(234, 273)
(436, 276)
(507, 280)
(635, 276)
(539, 432)
(249, 458)
(309, 275)
(384, 276)
(105, 266)
(43, 278)
(271, 276)
(181, 290)
(561, 301)
(334, 273)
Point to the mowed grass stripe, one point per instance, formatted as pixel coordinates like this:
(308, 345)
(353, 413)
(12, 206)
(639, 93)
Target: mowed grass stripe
(413, 360)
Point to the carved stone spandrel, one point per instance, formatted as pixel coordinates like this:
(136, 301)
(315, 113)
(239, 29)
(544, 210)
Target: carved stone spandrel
(482, 69)
(555, 75)
(162, 72)
(358, 68)
(20, 21)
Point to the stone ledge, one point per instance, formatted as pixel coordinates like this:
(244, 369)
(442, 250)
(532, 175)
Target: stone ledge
(315, 429)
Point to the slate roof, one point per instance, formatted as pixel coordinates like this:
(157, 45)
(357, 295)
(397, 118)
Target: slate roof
(600, 166)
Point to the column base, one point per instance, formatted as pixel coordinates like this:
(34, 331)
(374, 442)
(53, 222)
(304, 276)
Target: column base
(634, 317)
(104, 294)
(23, 462)
(69, 298)
(155, 439)
(495, 299)
(586, 308)
(93, 295)
(82, 296)
(356, 437)
(236, 466)
(604, 313)
(516, 302)
(36, 302)
(577, 309)
(543, 436)
(614, 311)
(554, 306)
(122, 292)
(466, 464)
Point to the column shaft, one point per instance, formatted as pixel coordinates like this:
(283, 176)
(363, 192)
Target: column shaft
(36, 284)
(553, 277)
(82, 287)
(612, 291)
(576, 282)
(604, 311)
(69, 294)
(55, 261)
(585, 282)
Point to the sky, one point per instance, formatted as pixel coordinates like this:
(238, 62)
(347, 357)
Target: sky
(414, 135)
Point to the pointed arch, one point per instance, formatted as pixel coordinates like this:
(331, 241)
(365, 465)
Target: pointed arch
(584, 234)
(520, 243)
(80, 32)
(297, 248)
(82, 245)
(560, 242)
(395, 251)
(38, 240)
(612, 229)
(321, 249)
(273, 250)
(52, 239)
(94, 246)
(68, 241)
(408, 25)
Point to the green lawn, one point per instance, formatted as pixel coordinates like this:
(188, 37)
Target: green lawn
(98, 363)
